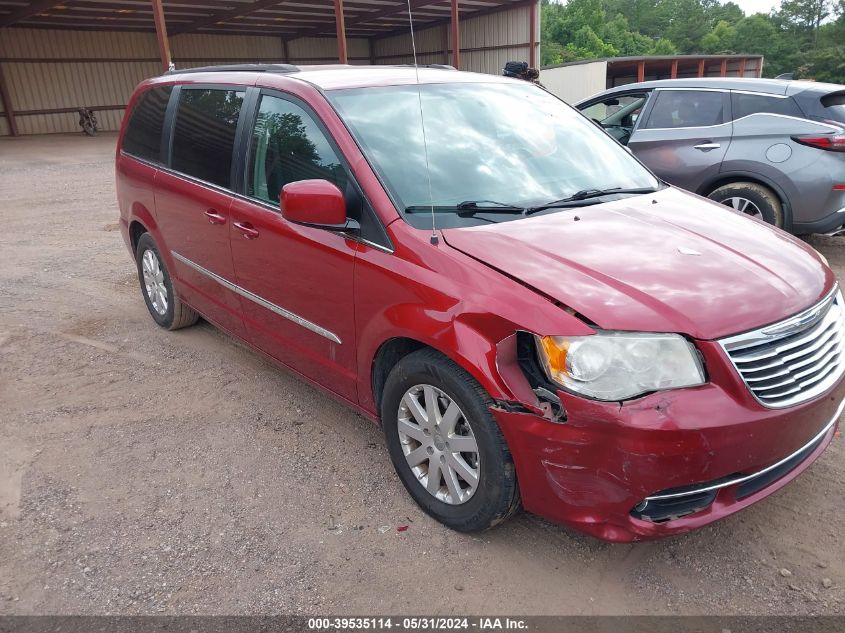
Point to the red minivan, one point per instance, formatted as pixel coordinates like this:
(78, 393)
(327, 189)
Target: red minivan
(533, 317)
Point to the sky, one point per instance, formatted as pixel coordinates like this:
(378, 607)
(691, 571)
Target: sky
(757, 6)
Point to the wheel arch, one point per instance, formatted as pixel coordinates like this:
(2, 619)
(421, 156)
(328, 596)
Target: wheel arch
(727, 178)
(136, 230)
(476, 355)
(387, 355)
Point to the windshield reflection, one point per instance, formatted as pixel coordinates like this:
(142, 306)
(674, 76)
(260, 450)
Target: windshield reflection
(512, 143)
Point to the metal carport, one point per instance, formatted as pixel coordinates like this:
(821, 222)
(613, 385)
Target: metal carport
(59, 55)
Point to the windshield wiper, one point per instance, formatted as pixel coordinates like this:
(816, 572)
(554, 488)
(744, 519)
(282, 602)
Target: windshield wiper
(587, 196)
(469, 208)
(491, 206)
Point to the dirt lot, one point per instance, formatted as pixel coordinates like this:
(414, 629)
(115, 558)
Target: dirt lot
(143, 471)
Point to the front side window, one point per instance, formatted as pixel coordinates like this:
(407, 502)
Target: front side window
(288, 146)
(743, 104)
(143, 132)
(617, 111)
(686, 108)
(510, 143)
(204, 133)
(618, 115)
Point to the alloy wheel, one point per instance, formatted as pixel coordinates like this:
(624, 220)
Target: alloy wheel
(743, 205)
(154, 281)
(438, 444)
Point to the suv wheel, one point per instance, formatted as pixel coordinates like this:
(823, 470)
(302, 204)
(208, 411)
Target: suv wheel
(445, 445)
(752, 199)
(162, 302)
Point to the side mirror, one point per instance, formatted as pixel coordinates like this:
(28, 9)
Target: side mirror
(314, 202)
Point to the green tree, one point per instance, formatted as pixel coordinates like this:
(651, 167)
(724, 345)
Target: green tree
(721, 39)
(803, 36)
(663, 47)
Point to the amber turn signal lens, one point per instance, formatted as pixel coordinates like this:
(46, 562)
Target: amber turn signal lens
(555, 353)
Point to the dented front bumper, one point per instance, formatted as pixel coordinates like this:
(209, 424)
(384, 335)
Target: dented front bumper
(591, 471)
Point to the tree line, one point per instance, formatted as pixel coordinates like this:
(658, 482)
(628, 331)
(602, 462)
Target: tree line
(805, 37)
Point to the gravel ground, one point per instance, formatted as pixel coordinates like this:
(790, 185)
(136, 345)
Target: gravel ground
(144, 471)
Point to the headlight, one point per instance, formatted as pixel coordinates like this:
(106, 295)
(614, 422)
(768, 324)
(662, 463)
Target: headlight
(620, 365)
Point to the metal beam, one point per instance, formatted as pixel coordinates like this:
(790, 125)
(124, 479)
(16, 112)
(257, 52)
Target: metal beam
(701, 68)
(340, 29)
(674, 74)
(456, 36)
(723, 69)
(641, 71)
(447, 21)
(222, 16)
(259, 5)
(27, 12)
(161, 35)
(400, 7)
(7, 104)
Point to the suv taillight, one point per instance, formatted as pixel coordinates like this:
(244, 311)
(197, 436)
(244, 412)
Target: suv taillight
(830, 142)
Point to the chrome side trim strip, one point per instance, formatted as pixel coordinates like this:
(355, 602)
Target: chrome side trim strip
(290, 316)
(739, 480)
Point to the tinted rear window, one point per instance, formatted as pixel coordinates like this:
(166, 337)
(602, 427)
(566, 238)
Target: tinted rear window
(834, 106)
(143, 132)
(743, 104)
(204, 134)
(686, 108)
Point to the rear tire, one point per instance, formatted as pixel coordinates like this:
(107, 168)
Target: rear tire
(752, 199)
(164, 304)
(477, 445)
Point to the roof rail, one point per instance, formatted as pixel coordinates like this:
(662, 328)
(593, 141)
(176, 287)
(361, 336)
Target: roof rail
(251, 68)
(438, 66)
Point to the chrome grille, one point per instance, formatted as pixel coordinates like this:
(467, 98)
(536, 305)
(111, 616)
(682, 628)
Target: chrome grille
(795, 360)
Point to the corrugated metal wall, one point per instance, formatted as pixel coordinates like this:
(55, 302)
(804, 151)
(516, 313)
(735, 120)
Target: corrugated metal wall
(323, 50)
(61, 69)
(432, 45)
(487, 42)
(38, 77)
(576, 82)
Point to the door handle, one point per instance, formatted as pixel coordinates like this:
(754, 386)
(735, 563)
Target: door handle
(214, 217)
(706, 147)
(249, 231)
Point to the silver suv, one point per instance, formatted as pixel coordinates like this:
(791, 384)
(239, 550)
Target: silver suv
(769, 148)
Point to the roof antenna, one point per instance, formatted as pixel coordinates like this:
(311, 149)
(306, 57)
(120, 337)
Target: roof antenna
(433, 238)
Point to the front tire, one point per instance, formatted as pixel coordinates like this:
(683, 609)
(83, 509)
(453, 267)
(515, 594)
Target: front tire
(445, 445)
(164, 304)
(751, 199)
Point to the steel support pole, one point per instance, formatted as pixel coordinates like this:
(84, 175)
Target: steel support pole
(456, 36)
(161, 35)
(340, 26)
(532, 36)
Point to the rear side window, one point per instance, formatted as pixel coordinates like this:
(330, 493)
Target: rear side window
(287, 146)
(743, 104)
(834, 107)
(686, 108)
(143, 132)
(204, 133)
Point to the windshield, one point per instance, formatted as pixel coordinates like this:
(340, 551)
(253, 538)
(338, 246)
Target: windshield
(510, 144)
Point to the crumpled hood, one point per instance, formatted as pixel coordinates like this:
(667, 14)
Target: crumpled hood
(663, 262)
